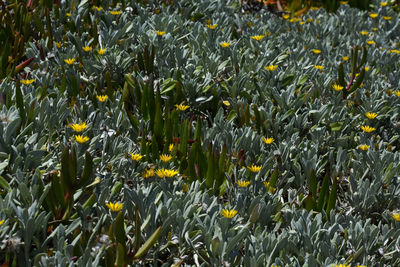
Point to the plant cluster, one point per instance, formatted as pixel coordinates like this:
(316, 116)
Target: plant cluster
(189, 133)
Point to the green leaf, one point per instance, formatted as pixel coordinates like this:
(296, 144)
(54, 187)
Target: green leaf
(336, 126)
(119, 229)
(332, 197)
(323, 193)
(87, 169)
(148, 244)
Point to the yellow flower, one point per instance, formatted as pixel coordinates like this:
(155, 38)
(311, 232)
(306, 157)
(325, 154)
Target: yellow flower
(309, 20)
(254, 168)
(27, 82)
(271, 67)
(165, 157)
(171, 147)
(115, 12)
(371, 115)
(364, 147)
(136, 157)
(68, 14)
(364, 32)
(160, 33)
(314, 8)
(387, 18)
(396, 216)
(374, 29)
(370, 42)
(115, 207)
(81, 139)
(257, 37)
(148, 173)
(243, 183)
(102, 98)
(316, 51)
(170, 173)
(319, 67)
(70, 61)
(160, 173)
(342, 265)
(212, 27)
(98, 8)
(383, 3)
(373, 15)
(367, 129)
(343, 2)
(302, 22)
(87, 48)
(182, 107)
(286, 16)
(101, 51)
(397, 93)
(268, 140)
(166, 173)
(228, 213)
(394, 51)
(225, 44)
(345, 58)
(78, 127)
(366, 68)
(226, 103)
(58, 44)
(1, 222)
(270, 188)
(337, 87)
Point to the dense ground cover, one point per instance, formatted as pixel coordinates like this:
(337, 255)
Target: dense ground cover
(190, 133)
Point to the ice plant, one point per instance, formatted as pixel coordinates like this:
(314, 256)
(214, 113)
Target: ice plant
(101, 51)
(165, 157)
(115, 12)
(81, 139)
(364, 32)
(160, 173)
(397, 93)
(319, 67)
(70, 61)
(254, 168)
(160, 33)
(212, 27)
(370, 42)
(243, 183)
(337, 87)
(87, 48)
(78, 127)
(396, 216)
(225, 44)
(136, 157)
(268, 140)
(182, 107)
(148, 173)
(27, 82)
(271, 67)
(387, 18)
(102, 98)
(228, 213)
(345, 58)
(114, 207)
(98, 8)
(257, 37)
(367, 129)
(169, 173)
(364, 147)
(371, 115)
(373, 15)
(316, 51)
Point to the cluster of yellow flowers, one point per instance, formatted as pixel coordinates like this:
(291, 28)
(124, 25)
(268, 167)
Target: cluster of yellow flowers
(79, 127)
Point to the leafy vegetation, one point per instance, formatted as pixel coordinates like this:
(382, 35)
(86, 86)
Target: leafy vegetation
(191, 133)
